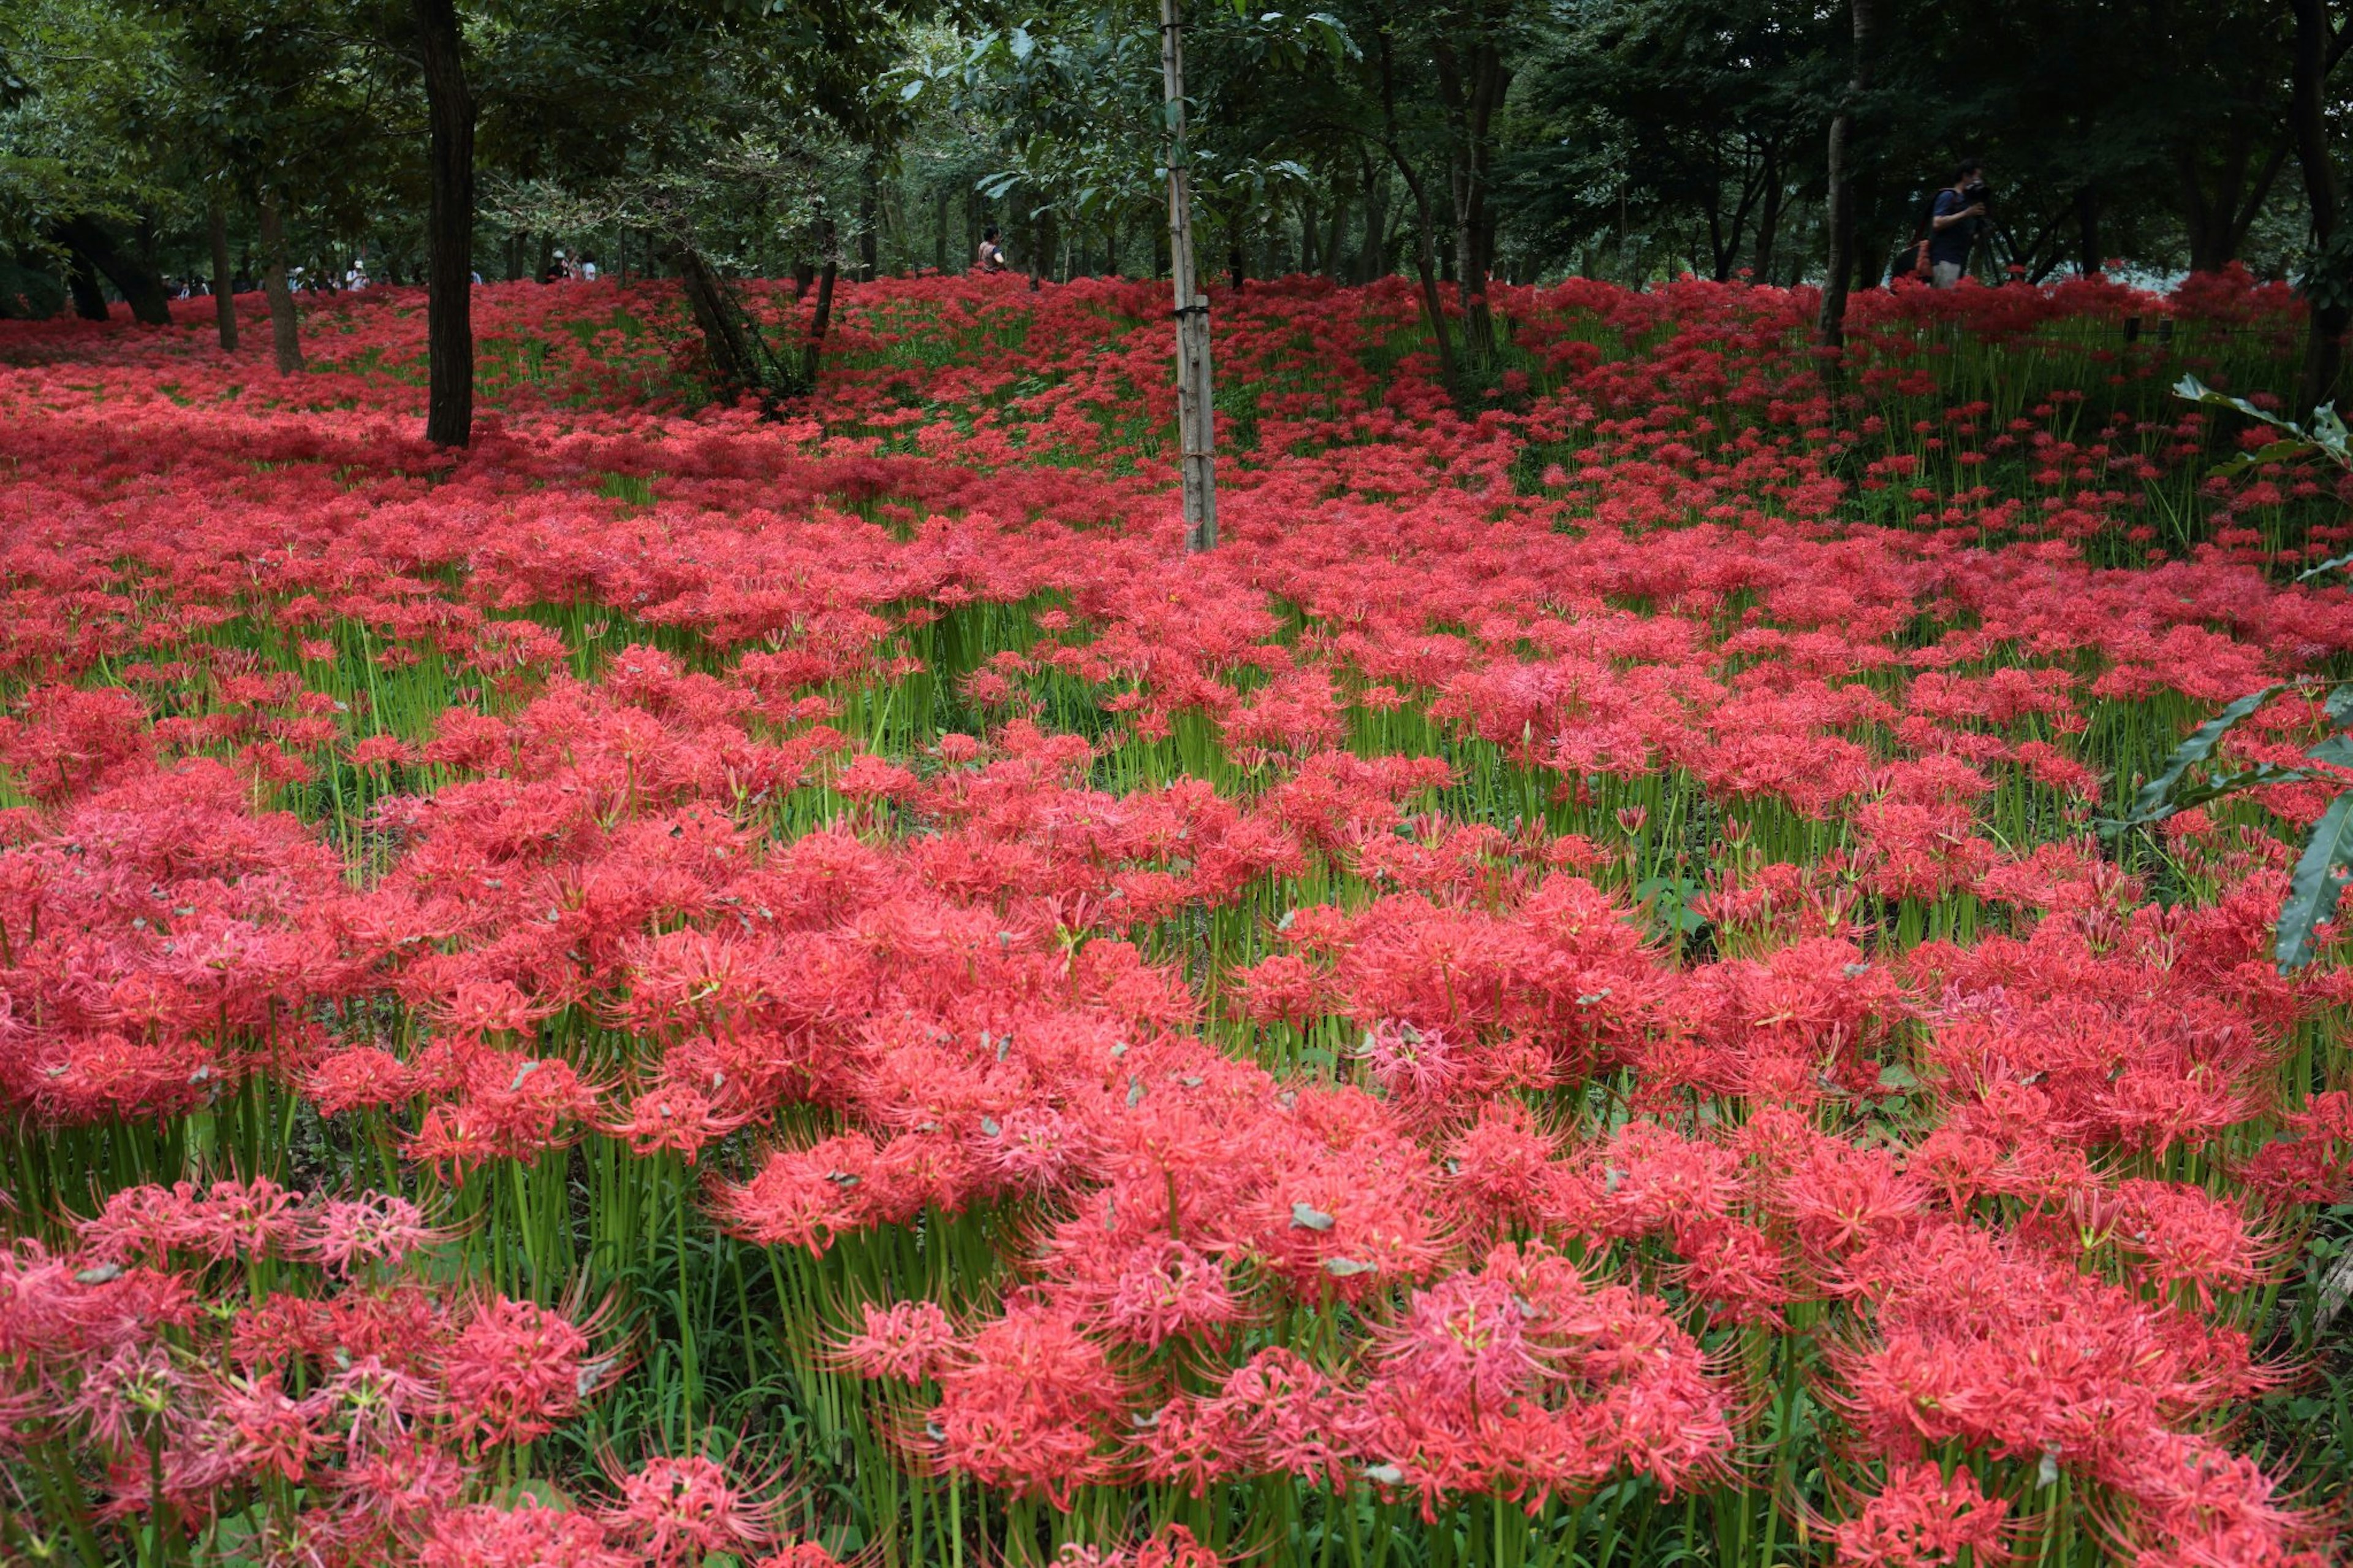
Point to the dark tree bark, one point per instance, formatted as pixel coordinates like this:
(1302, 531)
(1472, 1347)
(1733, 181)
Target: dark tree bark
(132, 278)
(81, 282)
(1433, 304)
(285, 333)
(1372, 255)
(1768, 218)
(870, 198)
(739, 361)
(821, 318)
(449, 229)
(223, 285)
(1471, 88)
(1829, 326)
(2323, 344)
(2089, 260)
(1335, 232)
(2217, 223)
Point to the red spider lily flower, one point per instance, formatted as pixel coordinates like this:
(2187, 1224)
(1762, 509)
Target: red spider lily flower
(673, 1512)
(1922, 1518)
(344, 1235)
(1028, 1404)
(516, 1371)
(528, 1535)
(907, 1342)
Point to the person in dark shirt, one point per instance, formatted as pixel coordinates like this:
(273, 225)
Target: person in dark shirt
(1954, 222)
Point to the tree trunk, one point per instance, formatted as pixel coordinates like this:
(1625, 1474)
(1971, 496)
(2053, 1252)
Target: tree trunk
(1471, 99)
(449, 229)
(940, 238)
(285, 334)
(740, 361)
(1372, 259)
(822, 317)
(223, 284)
(1433, 304)
(2217, 226)
(1829, 327)
(132, 279)
(1768, 219)
(2088, 260)
(1196, 461)
(2332, 300)
(81, 282)
(869, 195)
(1336, 231)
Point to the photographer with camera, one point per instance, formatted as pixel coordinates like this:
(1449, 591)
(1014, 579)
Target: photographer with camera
(1954, 223)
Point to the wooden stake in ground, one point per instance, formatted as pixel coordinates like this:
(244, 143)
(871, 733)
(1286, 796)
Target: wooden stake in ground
(1196, 425)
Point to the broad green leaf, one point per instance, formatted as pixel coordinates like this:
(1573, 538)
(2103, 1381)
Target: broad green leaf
(2313, 887)
(2323, 568)
(2155, 801)
(2328, 434)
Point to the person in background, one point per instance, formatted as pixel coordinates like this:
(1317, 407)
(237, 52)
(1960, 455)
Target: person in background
(1954, 223)
(587, 269)
(991, 257)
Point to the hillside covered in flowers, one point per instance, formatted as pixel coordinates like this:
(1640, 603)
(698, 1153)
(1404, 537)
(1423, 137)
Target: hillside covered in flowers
(686, 989)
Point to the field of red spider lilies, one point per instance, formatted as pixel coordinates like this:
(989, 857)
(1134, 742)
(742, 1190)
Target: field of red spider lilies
(684, 990)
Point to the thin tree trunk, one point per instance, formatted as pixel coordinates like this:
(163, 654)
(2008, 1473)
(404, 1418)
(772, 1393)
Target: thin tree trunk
(449, 229)
(1829, 327)
(285, 333)
(223, 284)
(1433, 304)
(870, 196)
(1196, 437)
(2323, 343)
(821, 318)
(1769, 218)
(2088, 260)
(1373, 255)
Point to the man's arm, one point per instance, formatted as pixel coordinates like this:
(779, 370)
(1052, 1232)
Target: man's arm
(1949, 210)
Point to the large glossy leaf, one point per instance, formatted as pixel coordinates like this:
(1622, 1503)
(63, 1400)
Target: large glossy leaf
(2313, 888)
(2156, 800)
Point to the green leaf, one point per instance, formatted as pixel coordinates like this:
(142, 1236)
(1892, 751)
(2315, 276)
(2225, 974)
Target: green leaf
(2336, 750)
(2328, 434)
(2196, 391)
(2155, 801)
(1305, 1216)
(2313, 887)
(2333, 563)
